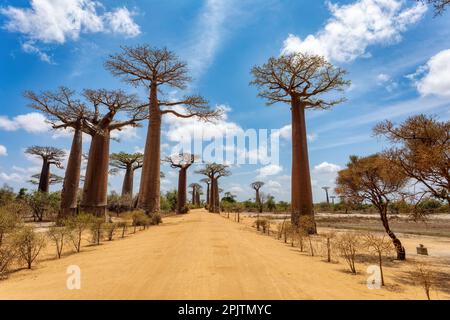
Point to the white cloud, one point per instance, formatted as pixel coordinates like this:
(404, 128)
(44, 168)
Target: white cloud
(286, 133)
(121, 21)
(269, 170)
(184, 130)
(51, 21)
(382, 78)
(326, 167)
(127, 133)
(31, 122)
(435, 75)
(356, 26)
(29, 47)
(13, 177)
(3, 151)
(209, 32)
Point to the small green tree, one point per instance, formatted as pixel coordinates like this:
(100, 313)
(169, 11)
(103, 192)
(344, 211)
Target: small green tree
(76, 226)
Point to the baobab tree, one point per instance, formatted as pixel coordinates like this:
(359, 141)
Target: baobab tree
(421, 151)
(304, 82)
(182, 162)
(214, 172)
(207, 181)
(257, 185)
(373, 179)
(326, 193)
(50, 156)
(100, 127)
(130, 163)
(65, 111)
(53, 179)
(156, 69)
(438, 5)
(196, 188)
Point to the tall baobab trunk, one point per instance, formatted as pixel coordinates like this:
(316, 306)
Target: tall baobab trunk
(207, 194)
(197, 198)
(211, 195)
(71, 184)
(301, 191)
(128, 180)
(258, 201)
(215, 196)
(96, 179)
(44, 180)
(194, 192)
(181, 194)
(149, 193)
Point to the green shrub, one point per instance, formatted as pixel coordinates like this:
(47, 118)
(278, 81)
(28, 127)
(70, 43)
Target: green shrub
(76, 226)
(123, 227)
(58, 236)
(110, 229)
(96, 229)
(28, 244)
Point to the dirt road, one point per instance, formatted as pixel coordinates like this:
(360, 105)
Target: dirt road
(195, 256)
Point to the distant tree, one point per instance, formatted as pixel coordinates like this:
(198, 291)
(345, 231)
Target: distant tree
(270, 203)
(43, 203)
(214, 172)
(257, 185)
(207, 181)
(50, 156)
(155, 69)
(53, 179)
(195, 193)
(7, 195)
(421, 152)
(326, 193)
(373, 179)
(229, 197)
(63, 111)
(182, 162)
(304, 82)
(130, 163)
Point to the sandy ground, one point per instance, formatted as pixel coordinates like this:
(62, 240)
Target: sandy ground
(203, 256)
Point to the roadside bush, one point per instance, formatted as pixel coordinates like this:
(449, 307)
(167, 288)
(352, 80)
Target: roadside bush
(58, 236)
(306, 224)
(329, 236)
(123, 227)
(348, 245)
(155, 219)
(28, 244)
(110, 229)
(7, 255)
(76, 226)
(379, 246)
(43, 204)
(96, 229)
(137, 218)
(262, 223)
(8, 221)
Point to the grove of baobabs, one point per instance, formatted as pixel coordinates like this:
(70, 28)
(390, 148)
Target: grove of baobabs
(225, 150)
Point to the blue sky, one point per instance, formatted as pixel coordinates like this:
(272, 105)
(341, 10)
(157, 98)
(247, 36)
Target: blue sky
(395, 51)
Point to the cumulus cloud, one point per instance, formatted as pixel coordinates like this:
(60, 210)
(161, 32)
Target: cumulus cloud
(356, 26)
(127, 133)
(31, 122)
(13, 177)
(50, 21)
(184, 130)
(286, 133)
(3, 151)
(269, 170)
(434, 77)
(326, 167)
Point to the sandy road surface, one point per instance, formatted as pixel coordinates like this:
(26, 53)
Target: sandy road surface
(195, 256)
